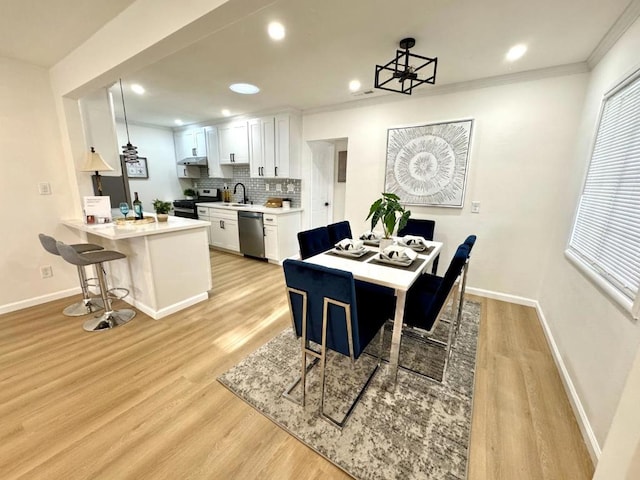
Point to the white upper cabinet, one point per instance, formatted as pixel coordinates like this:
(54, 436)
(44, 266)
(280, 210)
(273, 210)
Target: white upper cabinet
(233, 143)
(275, 146)
(216, 169)
(190, 144)
(262, 150)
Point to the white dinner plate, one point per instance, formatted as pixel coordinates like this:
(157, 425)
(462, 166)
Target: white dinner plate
(372, 241)
(350, 253)
(402, 263)
(420, 247)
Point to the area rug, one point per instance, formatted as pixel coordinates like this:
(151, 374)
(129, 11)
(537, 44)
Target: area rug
(419, 430)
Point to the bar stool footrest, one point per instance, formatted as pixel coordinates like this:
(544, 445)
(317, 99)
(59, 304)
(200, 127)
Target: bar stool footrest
(114, 293)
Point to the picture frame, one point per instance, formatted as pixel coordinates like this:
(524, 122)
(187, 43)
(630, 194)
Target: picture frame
(428, 165)
(137, 169)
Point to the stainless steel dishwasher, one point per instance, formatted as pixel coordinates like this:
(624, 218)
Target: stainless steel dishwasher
(251, 232)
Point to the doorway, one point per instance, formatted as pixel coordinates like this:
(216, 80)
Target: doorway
(328, 185)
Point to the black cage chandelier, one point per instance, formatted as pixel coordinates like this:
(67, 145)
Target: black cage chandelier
(129, 152)
(401, 69)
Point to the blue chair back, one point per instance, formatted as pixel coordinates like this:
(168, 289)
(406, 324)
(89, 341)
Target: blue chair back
(422, 228)
(313, 242)
(319, 282)
(470, 242)
(423, 306)
(339, 231)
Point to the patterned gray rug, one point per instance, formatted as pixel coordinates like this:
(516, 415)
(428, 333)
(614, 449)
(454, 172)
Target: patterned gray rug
(420, 430)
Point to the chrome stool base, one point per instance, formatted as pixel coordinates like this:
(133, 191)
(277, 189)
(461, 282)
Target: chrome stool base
(84, 307)
(110, 320)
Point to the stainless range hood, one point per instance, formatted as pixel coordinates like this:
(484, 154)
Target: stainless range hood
(197, 161)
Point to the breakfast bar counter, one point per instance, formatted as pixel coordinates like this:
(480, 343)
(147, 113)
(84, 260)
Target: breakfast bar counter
(167, 267)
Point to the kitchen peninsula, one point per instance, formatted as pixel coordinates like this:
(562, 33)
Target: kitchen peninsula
(167, 267)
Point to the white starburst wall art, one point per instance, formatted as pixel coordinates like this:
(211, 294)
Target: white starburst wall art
(428, 164)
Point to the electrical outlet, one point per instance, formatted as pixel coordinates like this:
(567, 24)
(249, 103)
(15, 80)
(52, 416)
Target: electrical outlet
(46, 271)
(266, 187)
(278, 187)
(44, 188)
(291, 188)
(475, 207)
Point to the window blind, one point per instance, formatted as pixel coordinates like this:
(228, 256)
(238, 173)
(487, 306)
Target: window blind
(606, 231)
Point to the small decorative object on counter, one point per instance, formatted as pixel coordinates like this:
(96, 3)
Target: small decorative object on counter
(189, 193)
(162, 209)
(137, 207)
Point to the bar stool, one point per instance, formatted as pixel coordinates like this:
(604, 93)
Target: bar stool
(110, 318)
(88, 304)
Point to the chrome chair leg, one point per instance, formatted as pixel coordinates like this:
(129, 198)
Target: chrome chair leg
(88, 304)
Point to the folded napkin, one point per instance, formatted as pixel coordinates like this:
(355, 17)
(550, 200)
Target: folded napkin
(369, 236)
(414, 241)
(349, 244)
(398, 253)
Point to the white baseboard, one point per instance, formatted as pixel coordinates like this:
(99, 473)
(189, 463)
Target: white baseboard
(581, 416)
(163, 312)
(30, 302)
(583, 421)
(505, 297)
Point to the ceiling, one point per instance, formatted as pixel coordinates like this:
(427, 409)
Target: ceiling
(44, 32)
(328, 43)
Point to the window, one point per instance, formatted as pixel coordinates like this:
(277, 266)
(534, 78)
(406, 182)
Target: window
(606, 231)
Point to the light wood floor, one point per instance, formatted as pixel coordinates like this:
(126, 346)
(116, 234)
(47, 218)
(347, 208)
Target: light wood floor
(142, 401)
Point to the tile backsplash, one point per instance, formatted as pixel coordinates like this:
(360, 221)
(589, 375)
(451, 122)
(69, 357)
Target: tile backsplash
(256, 187)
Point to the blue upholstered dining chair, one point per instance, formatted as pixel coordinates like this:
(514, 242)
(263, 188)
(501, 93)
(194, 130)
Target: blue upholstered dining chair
(327, 308)
(422, 228)
(339, 231)
(313, 242)
(470, 241)
(426, 300)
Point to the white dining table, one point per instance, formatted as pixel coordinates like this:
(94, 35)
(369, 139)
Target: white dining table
(399, 279)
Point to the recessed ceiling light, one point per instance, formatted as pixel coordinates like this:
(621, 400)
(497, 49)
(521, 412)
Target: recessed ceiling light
(179, 122)
(226, 112)
(276, 31)
(516, 52)
(139, 89)
(244, 88)
(354, 85)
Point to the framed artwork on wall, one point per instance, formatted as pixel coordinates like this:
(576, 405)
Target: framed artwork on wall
(137, 169)
(428, 164)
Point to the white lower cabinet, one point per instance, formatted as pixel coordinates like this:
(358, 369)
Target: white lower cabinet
(224, 229)
(280, 235)
(204, 214)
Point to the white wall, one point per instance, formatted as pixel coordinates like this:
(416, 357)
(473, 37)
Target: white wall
(32, 153)
(597, 341)
(524, 134)
(156, 144)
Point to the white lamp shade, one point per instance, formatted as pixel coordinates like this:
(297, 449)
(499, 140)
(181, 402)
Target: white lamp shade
(95, 163)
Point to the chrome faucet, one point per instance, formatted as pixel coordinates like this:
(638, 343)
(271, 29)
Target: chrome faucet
(244, 192)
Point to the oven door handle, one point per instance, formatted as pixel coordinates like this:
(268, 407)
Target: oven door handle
(184, 210)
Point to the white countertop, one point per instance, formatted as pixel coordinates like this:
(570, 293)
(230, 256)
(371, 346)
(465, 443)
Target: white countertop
(248, 207)
(117, 232)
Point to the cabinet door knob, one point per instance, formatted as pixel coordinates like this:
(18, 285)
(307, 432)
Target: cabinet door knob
(193, 152)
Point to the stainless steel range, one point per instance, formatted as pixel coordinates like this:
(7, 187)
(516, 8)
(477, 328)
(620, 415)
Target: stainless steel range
(187, 208)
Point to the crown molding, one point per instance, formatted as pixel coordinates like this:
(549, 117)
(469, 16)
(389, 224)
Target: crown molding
(621, 25)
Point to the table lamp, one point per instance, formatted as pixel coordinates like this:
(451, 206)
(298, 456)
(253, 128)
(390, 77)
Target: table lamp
(95, 163)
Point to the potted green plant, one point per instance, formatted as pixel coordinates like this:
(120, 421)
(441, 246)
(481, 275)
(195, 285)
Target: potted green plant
(391, 213)
(162, 209)
(189, 193)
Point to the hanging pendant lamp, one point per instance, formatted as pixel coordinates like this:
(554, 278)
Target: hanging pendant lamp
(130, 152)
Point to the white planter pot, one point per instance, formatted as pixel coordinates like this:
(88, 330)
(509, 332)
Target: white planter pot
(385, 242)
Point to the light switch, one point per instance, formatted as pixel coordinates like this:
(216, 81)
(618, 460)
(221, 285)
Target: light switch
(475, 207)
(266, 187)
(44, 188)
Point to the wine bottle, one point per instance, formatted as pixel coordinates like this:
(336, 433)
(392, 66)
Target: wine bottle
(137, 207)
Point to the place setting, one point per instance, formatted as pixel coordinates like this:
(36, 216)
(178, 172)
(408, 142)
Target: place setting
(416, 243)
(397, 256)
(353, 249)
